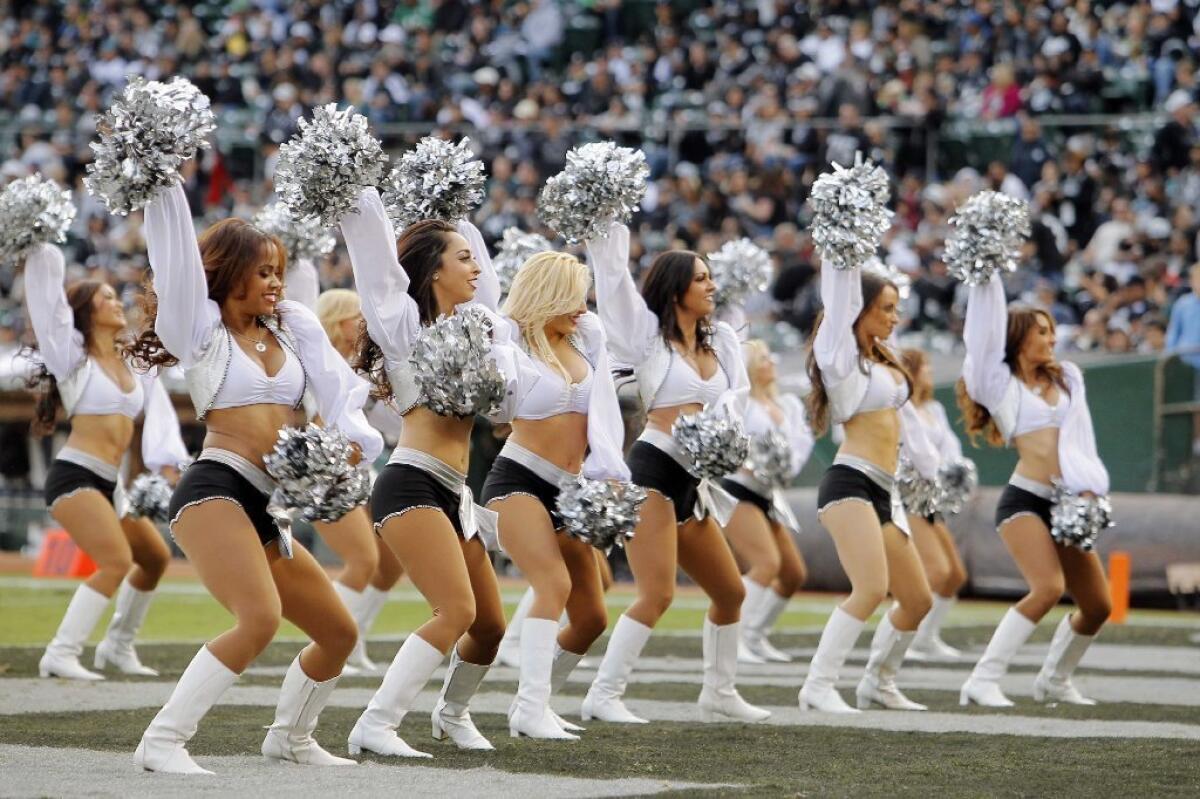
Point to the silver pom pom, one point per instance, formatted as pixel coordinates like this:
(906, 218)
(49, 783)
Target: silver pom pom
(892, 274)
(327, 163)
(770, 458)
(714, 442)
(150, 497)
(516, 247)
(601, 183)
(958, 479)
(434, 180)
(451, 365)
(303, 238)
(33, 211)
(850, 213)
(740, 268)
(921, 496)
(1077, 520)
(151, 129)
(599, 512)
(311, 466)
(988, 230)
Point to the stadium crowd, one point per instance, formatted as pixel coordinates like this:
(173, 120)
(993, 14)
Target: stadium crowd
(738, 105)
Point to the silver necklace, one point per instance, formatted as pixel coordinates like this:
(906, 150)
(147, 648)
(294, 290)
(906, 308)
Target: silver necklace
(259, 344)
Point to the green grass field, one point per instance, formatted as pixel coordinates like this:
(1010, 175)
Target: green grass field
(823, 758)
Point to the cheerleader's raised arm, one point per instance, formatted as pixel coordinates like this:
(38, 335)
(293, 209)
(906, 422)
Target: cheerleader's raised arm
(631, 327)
(59, 343)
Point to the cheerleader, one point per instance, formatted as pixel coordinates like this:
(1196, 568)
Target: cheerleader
(420, 504)
(762, 528)
(935, 544)
(1015, 393)
(861, 384)
(683, 361)
(572, 410)
(79, 329)
(248, 356)
(370, 569)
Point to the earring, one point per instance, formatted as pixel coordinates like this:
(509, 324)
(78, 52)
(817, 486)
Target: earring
(435, 277)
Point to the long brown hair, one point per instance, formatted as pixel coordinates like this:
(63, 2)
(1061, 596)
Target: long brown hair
(914, 361)
(229, 250)
(80, 295)
(668, 280)
(976, 418)
(818, 399)
(419, 249)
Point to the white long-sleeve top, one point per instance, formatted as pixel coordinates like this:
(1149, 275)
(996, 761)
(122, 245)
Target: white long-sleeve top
(758, 422)
(991, 383)
(633, 331)
(853, 384)
(302, 284)
(917, 443)
(86, 389)
(190, 327)
(394, 320)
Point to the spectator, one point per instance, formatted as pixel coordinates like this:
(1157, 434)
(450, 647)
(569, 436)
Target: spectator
(1173, 142)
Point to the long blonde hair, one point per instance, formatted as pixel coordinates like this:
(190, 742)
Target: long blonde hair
(334, 307)
(549, 284)
(752, 351)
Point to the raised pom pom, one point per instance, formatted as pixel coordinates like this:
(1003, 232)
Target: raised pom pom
(452, 366)
(740, 268)
(516, 247)
(434, 180)
(33, 211)
(850, 213)
(599, 512)
(311, 467)
(303, 238)
(324, 167)
(988, 231)
(149, 131)
(600, 183)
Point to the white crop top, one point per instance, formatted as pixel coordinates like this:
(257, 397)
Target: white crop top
(1034, 413)
(883, 390)
(102, 396)
(683, 385)
(247, 383)
(551, 395)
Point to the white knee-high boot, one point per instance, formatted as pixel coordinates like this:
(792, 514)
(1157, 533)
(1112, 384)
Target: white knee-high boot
(290, 737)
(374, 601)
(375, 730)
(355, 602)
(451, 718)
(129, 611)
(564, 663)
(1053, 683)
(837, 639)
(928, 645)
(61, 658)
(878, 683)
(719, 698)
(509, 653)
(748, 641)
(530, 714)
(164, 743)
(983, 686)
(603, 700)
(769, 611)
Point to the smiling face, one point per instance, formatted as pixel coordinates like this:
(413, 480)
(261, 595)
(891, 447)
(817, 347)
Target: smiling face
(880, 317)
(107, 311)
(700, 297)
(1037, 347)
(565, 324)
(262, 286)
(456, 274)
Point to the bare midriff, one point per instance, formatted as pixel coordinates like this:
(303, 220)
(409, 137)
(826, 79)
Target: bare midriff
(248, 430)
(560, 439)
(446, 438)
(1037, 453)
(874, 436)
(105, 436)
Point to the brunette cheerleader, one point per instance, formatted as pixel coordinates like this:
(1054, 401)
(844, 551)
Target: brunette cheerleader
(421, 505)
(683, 362)
(859, 382)
(369, 568)
(249, 356)
(762, 528)
(79, 330)
(1016, 393)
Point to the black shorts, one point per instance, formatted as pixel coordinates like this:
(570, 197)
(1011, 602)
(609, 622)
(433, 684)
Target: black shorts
(743, 494)
(508, 478)
(401, 488)
(65, 478)
(208, 480)
(1017, 502)
(655, 470)
(842, 483)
